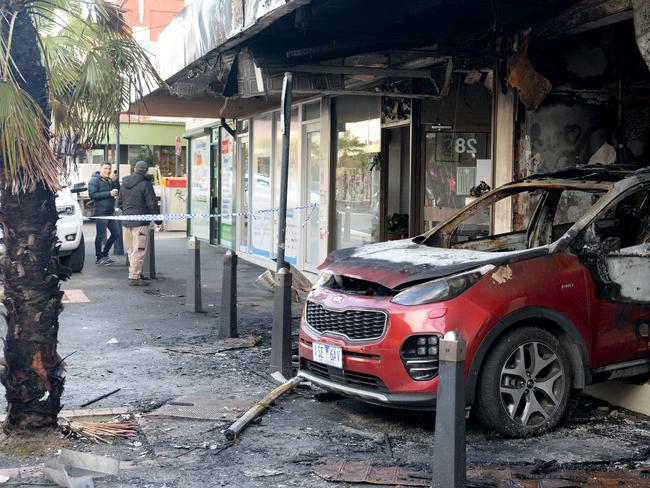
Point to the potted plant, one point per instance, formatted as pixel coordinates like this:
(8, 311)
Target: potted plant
(398, 226)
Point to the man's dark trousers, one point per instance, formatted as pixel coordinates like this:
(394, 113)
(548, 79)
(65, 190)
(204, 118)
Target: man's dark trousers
(101, 226)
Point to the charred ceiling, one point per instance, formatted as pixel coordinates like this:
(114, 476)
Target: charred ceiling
(349, 46)
(334, 29)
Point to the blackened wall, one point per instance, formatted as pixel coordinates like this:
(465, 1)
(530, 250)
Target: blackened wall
(595, 76)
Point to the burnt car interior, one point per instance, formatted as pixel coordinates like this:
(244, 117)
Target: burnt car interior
(544, 214)
(616, 247)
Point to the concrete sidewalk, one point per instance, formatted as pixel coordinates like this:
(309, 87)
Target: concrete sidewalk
(303, 426)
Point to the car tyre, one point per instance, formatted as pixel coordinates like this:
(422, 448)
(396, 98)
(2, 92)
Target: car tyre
(524, 385)
(76, 260)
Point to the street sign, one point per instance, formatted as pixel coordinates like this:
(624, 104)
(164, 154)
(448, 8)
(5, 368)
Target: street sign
(179, 147)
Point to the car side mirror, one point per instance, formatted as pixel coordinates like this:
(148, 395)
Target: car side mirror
(78, 188)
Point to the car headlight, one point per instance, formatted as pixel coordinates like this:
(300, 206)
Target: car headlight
(441, 289)
(324, 279)
(65, 209)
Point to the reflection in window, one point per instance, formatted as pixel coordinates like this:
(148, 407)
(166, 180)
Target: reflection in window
(357, 171)
(455, 163)
(294, 224)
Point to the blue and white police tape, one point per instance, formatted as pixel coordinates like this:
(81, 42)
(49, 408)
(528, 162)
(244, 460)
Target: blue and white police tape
(165, 217)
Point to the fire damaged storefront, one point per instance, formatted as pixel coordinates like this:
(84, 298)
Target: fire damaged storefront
(403, 114)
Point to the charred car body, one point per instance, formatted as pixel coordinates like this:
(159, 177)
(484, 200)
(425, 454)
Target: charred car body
(558, 302)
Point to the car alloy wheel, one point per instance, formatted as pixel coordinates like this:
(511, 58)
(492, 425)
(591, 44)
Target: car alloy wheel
(532, 383)
(524, 385)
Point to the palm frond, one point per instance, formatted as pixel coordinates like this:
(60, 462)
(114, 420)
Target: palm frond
(24, 148)
(94, 66)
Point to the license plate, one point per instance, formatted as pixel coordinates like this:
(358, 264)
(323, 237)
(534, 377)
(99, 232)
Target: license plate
(326, 354)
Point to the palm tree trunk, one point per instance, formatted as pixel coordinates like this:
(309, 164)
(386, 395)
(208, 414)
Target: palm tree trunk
(33, 371)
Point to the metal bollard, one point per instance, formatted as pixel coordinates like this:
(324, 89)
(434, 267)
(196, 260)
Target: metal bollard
(193, 293)
(449, 463)
(118, 247)
(228, 317)
(281, 334)
(149, 265)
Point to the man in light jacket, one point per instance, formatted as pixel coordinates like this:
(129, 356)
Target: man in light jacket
(137, 197)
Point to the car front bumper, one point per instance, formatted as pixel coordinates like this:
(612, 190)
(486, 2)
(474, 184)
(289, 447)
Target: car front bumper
(65, 229)
(425, 401)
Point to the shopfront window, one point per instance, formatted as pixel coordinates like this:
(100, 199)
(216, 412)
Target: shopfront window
(163, 157)
(261, 187)
(200, 186)
(357, 170)
(456, 162)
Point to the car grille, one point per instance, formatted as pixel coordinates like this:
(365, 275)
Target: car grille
(345, 377)
(353, 324)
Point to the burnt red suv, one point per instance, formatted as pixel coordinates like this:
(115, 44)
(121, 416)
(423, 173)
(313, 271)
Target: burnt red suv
(552, 303)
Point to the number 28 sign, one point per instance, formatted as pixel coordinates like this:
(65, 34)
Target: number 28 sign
(462, 145)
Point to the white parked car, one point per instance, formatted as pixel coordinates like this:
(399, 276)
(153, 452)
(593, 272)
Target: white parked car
(69, 229)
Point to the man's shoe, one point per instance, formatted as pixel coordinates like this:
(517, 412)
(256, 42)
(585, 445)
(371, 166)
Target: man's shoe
(107, 261)
(138, 282)
(99, 261)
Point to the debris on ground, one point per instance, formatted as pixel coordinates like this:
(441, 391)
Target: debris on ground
(264, 473)
(98, 431)
(162, 294)
(300, 284)
(73, 469)
(202, 408)
(101, 397)
(383, 473)
(112, 340)
(240, 424)
(219, 346)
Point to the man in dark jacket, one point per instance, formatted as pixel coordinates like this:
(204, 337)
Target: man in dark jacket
(137, 197)
(103, 190)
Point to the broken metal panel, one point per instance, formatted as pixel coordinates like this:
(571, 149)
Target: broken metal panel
(205, 25)
(307, 83)
(642, 28)
(629, 268)
(250, 80)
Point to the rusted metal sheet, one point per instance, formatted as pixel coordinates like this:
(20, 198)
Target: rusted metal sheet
(531, 86)
(642, 28)
(366, 471)
(384, 473)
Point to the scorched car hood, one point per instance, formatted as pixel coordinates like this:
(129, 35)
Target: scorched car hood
(395, 263)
